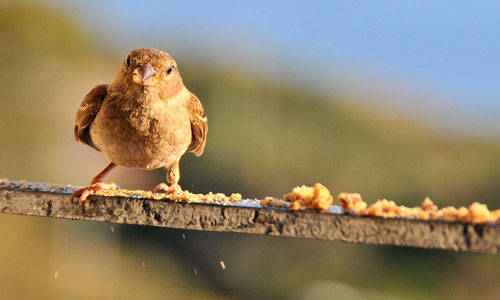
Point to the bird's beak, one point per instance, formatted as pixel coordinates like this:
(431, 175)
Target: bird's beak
(145, 75)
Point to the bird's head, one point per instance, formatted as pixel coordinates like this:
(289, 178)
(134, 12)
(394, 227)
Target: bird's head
(148, 68)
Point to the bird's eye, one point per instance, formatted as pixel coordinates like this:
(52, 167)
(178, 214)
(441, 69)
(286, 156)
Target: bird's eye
(170, 70)
(127, 61)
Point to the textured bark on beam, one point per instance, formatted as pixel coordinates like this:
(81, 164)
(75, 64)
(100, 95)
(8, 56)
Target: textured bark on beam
(247, 216)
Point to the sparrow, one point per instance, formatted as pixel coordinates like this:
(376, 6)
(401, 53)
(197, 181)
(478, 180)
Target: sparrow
(146, 119)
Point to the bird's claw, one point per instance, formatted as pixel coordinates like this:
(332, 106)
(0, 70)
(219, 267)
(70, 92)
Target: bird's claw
(172, 189)
(84, 193)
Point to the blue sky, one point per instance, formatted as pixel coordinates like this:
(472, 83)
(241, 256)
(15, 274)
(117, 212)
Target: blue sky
(448, 49)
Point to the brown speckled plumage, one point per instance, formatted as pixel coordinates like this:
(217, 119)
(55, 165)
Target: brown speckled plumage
(141, 121)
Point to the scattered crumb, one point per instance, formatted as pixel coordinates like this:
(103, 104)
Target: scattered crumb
(428, 205)
(235, 197)
(275, 202)
(304, 197)
(389, 209)
(450, 213)
(56, 274)
(295, 205)
(299, 193)
(183, 196)
(112, 228)
(478, 213)
(382, 208)
(143, 264)
(195, 271)
(351, 201)
(223, 265)
(183, 236)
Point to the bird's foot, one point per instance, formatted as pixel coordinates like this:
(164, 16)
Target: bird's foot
(84, 193)
(172, 189)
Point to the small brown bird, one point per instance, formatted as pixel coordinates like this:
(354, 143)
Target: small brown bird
(146, 119)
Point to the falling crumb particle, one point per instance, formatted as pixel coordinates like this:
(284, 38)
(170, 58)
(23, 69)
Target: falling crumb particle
(56, 274)
(143, 264)
(183, 236)
(112, 228)
(195, 271)
(223, 265)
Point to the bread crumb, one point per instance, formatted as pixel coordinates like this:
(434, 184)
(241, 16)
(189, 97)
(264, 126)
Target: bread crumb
(389, 209)
(451, 214)
(304, 197)
(428, 205)
(235, 197)
(382, 208)
(295, 205)
(351, 201)
(478, 213)
(274, 202)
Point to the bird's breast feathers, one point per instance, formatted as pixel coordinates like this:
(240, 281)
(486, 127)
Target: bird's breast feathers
(144, 136)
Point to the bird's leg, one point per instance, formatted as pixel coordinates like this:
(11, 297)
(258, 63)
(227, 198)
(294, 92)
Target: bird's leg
(95, 185)
(173, 176)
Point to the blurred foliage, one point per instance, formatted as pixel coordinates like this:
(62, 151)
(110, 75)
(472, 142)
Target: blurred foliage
(31, 32)
(264, 138)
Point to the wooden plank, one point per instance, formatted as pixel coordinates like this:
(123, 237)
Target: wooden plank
(247, 216)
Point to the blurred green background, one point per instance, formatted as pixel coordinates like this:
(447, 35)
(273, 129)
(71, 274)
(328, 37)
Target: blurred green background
(268, 133)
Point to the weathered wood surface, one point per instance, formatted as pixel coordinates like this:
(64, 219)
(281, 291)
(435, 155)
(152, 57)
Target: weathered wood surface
(247, 216)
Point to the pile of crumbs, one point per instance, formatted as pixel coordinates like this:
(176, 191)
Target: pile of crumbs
(475, 213)
(184, 196)
(319, 198)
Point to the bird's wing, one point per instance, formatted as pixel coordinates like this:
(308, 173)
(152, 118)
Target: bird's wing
(199, 126)
(87, 112)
